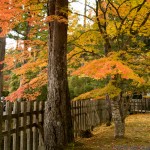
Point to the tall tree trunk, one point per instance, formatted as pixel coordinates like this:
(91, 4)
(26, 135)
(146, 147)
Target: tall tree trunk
(57, 122)
(117, 118)
(2, 56)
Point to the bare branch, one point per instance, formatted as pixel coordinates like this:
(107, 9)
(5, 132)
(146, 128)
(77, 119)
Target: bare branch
(81, 15)
(84, 51)
(87, 5)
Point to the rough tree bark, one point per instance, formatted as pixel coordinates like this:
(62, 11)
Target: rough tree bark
(57, 122)
(2, 56)
(117, 115)
(85, 9)
(119, 122)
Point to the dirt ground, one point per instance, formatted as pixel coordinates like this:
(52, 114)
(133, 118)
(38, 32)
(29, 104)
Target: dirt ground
(137, 136)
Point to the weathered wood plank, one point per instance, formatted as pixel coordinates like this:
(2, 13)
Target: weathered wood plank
(40, 121)
(23, 124)
(35, 131)
(29, 130)
(1, 114)
(31, 122)
(7, 138)
(16, 108)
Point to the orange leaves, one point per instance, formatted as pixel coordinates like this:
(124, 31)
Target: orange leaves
(39, 81)
(16, 94)
(31, 66)
(56, 18)
(10, 14)
(101, 68)
(29, 90)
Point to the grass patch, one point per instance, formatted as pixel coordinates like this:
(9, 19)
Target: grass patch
(137, 136)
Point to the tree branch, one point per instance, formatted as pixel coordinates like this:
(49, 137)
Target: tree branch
(83, 51)
(81, 35)
(81, 15)
(117, 9)
(138, 7)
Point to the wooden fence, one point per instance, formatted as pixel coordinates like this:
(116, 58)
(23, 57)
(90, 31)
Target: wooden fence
(18, 127)
(21, 124)
(140, 105)
(88, 114)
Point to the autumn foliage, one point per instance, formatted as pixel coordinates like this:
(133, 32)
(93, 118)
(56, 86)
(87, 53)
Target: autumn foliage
(10, 14)
(101, 68)
(94, 50)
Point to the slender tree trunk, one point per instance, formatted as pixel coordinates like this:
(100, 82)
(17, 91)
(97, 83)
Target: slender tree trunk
(117, 118)
(2, 56)
(57, 122)
(85, 9)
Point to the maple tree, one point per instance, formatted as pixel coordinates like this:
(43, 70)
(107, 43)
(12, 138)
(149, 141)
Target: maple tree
(10, 13)
(122, 46)
(7, 12)
(30, 52)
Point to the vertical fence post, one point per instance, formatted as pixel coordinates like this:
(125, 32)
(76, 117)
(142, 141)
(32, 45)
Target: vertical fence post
(23, 139)
(145, 104)
(134, 106)
(141, 105)
(93, 113)
(76, 119)
(72, 115)
(35, 132)
(76, 116)
(16, 126)
(79, 118)
(87, 114)
(81, 113)
(1, 123)
(97, 113)
(7, 138)
(29, 124)
(41, 131)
